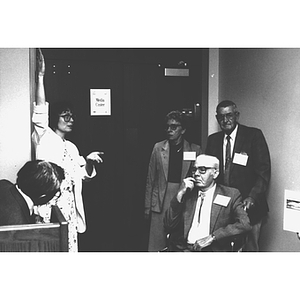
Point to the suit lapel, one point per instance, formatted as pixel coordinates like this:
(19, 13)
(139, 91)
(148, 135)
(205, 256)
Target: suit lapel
(239, 141)
(21, 201)
(240, 137)
(165, 153)
(190, 211)
(215, 210)
(185, 163)
(219, 153)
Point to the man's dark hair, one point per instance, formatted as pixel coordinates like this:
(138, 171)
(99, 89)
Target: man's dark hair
(226, 103)
(178, 117)
(55, 110)
(37, 178)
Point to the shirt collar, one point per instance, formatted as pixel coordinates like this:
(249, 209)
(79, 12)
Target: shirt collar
(209, 191)
(233, 133)
(28, 200)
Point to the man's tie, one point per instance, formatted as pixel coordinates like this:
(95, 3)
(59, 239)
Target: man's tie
(202, 196)
(227, 161)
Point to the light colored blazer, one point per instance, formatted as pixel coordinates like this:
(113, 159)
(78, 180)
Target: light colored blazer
(157, 178)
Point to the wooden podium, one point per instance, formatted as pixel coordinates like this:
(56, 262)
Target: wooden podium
(47, 237)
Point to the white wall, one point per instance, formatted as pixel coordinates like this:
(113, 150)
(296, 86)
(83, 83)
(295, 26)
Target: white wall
(265, 84)
(15, 126)
(213, 89)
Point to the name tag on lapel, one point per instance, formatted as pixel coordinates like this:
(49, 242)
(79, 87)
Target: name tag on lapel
(222, 200)
(189, 155)
(240, 159)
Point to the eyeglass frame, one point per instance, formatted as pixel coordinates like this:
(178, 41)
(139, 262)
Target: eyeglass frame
(195, 169)
(50, 197)
(173, 127)
(67, 117)
(229, 116)
(57, 195)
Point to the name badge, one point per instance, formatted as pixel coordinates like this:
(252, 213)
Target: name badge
(240, 159)
(189, 155)
(222, 200)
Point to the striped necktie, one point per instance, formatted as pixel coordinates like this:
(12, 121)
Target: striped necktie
(201, 196)
(227, 160)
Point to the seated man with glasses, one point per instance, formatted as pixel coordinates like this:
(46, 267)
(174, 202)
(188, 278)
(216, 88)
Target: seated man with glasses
(37, 183)
(205, 216)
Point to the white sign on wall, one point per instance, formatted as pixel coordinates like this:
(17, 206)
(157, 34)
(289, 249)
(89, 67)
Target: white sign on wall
(100, 102)
(291, 213)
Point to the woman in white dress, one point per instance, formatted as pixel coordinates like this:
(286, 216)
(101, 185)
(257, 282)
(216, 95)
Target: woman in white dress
(51, 145)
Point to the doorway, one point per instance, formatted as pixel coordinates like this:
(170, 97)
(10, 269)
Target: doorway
(141, 96)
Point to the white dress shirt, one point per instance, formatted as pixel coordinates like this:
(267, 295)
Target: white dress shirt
(202, 229)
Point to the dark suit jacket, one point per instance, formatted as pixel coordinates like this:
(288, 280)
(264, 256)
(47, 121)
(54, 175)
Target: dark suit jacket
(157, 177)
(13, 207)
(253, 179)
(226, 223)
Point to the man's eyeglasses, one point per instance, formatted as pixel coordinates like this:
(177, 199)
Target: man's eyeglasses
(53, 196)
(221, 117)
(201, 170)
(172, 126)
(67, 117)
(57, 195)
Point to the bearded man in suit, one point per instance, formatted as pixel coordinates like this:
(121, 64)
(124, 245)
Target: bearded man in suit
(37, 183)
(245, 165)
(205, 216)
